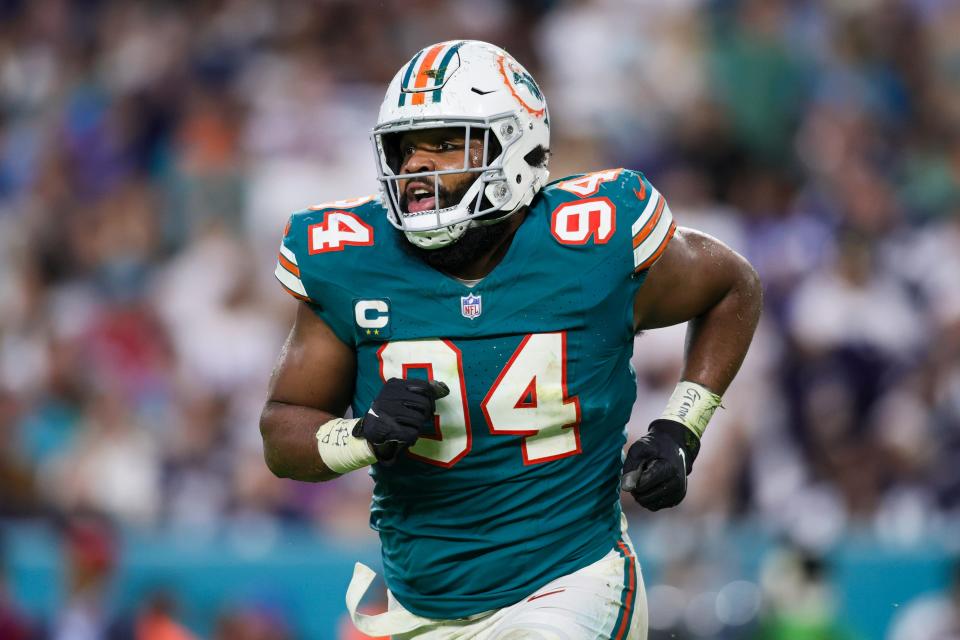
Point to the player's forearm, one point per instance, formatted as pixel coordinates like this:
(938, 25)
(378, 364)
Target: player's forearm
(290, 441)
(717, 340)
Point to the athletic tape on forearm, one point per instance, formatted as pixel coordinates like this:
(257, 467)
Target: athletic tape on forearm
(340, 450)
(691, 405)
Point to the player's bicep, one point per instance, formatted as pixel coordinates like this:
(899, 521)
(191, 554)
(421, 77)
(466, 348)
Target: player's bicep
(693, 274)
(315, 368)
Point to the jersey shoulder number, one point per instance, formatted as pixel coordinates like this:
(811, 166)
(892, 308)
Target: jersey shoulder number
(339, 227)
(326, 228)
(603, 206)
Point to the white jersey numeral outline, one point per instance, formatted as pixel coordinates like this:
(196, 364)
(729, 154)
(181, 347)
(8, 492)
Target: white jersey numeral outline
(529, 398)
(589, 184)
(442, 361)
(577, 221)
(339, 229)
(550, 419)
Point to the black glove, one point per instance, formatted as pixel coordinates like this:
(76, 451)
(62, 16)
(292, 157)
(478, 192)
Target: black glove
(397, 414)
(656, 468)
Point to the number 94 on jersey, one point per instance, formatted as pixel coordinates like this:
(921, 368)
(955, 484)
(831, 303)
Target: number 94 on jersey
(529, 398)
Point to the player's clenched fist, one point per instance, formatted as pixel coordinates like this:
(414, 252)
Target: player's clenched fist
(397, 413)
(656, 468)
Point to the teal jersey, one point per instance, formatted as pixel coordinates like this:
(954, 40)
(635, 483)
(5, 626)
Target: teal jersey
(516, 484)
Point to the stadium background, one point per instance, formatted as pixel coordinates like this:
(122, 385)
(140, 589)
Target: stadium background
(151, 151)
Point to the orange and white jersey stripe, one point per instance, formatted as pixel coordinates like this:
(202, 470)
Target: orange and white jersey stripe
(288, 273)
(652, 231)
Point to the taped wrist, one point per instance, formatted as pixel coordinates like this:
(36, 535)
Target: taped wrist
(340, 450)
(692, 405)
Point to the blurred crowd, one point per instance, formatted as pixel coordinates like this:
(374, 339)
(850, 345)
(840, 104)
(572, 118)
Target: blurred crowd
(150, 153)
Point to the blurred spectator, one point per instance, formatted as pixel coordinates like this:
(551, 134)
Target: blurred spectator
(930, 617)
(197, 473)
(251, 623)
(91, 555)
(157, 620)
(801, 602)
(112, 467)
(18, 492)
(14, 623)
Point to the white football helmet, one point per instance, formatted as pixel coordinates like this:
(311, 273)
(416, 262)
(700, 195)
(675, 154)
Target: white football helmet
(480, 87)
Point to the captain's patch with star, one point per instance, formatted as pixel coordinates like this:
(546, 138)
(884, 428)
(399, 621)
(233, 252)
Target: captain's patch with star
(372, 317)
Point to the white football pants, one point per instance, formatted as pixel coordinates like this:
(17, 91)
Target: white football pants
(603, 600)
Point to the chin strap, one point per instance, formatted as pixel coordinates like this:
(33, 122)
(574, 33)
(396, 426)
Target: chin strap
(420, 238)
(438, 238)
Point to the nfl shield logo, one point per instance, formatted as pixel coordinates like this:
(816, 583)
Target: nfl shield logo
(470, 306)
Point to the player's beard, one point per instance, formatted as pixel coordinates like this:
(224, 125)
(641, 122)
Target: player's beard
(475, 242)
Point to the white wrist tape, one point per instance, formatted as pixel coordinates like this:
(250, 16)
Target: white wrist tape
(340, 450)
(691, 405)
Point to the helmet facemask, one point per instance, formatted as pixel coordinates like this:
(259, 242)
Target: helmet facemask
(484, 200)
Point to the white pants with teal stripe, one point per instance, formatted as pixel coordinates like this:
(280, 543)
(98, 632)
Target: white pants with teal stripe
(603, 600)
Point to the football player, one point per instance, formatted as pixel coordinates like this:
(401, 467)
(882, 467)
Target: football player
(479, 321)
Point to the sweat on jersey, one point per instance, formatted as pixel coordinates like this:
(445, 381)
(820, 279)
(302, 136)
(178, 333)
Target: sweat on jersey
(518, 481)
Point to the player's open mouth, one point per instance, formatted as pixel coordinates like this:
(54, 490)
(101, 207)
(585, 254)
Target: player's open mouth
(420, 197)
